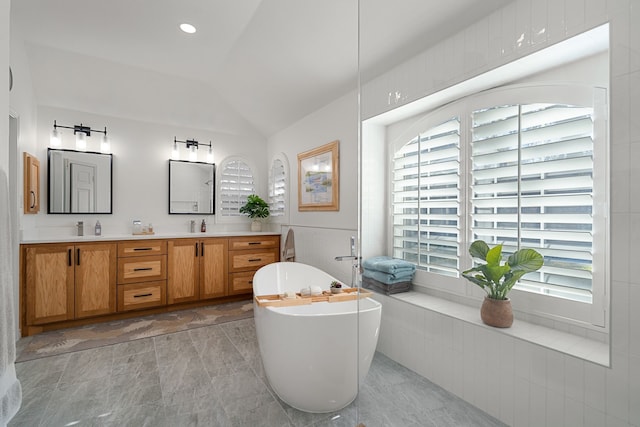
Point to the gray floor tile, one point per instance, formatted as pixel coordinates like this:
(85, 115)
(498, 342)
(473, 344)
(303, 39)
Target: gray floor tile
(213, 376)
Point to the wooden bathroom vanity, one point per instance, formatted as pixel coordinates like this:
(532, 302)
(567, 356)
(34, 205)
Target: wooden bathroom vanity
(64, 284)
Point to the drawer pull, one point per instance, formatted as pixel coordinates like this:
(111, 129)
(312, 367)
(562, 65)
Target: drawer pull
(142, 249)
(254, 243)
(250, 282)
(255, 259)
(69, 258)
(78, 256)
(142, 295)
(143, 269)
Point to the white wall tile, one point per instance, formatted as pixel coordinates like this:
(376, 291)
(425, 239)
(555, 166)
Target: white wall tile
(621, 180)
(594, 417)
(555, 408)
(595, 12)
(594, 386)
(617, 387)
(538, 366)
(556, 26)
(634, 233)
(634, 322)
(573, 412)
(620, 317)
(509, 30)
(494, 50)
(620, 109)
(634, 387)
(523, 26)
(574, 16)
(634, 37)
(522, 389)
(619, 42)
(539, 21)
(555, 371)
(537, 405)
(574, 378)
(634, 106)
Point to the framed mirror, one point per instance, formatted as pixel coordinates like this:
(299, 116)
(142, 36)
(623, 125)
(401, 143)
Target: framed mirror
(191, 187)
(79, 182)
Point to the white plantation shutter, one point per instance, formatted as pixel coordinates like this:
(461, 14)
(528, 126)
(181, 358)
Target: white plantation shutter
(426, 199)
(532, 186)
(277, 188)
(236, 183)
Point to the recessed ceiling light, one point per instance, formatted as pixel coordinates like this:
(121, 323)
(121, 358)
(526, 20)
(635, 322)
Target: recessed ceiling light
(188, 28)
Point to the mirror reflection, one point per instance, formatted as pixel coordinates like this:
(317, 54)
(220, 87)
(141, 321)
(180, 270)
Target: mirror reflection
(79, 182)
(191, 187)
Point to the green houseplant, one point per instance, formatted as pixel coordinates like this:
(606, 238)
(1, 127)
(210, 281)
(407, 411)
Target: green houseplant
(256, 208)
(498, 279)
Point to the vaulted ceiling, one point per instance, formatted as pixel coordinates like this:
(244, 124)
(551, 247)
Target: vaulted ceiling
(259, 63)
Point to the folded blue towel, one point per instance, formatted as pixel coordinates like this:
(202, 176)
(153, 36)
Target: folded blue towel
(387, 278)
(388, 264)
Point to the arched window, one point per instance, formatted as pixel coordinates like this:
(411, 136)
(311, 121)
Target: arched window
(278, 186)
(235, 183)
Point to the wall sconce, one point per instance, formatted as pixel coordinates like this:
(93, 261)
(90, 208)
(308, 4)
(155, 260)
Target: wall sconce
(81, 132)
(192, 146)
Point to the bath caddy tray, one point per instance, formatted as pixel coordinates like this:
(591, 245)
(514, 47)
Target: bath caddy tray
(327, 296)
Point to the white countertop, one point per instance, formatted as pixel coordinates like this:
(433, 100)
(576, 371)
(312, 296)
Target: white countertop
(112, 237)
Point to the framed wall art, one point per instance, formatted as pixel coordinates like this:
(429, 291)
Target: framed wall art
(318, 179)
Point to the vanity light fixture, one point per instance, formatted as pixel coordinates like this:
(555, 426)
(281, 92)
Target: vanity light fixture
(192, 146)
(81, 132)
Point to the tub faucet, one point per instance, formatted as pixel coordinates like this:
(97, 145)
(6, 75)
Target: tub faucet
(353, 256)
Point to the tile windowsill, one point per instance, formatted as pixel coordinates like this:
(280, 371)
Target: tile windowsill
(581, 347)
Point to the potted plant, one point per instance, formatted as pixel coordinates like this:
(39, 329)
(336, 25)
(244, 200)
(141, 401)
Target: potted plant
(336, 287)
(256, 209)
(497, 280)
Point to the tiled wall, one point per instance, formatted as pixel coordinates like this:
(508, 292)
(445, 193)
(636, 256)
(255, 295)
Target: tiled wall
(518, 382)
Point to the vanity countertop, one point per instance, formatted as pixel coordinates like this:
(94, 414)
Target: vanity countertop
(114, 237)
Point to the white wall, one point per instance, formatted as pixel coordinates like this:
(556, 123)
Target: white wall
(321, 236)
(141, 151)
(518, 382)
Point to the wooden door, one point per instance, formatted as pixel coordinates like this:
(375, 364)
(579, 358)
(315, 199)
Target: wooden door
(213, 268)
(183, 270)
(31, 184)
(49, 283)
(95, 274)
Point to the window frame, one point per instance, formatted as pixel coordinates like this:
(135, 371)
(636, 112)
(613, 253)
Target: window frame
(589, 315)
(236, 218)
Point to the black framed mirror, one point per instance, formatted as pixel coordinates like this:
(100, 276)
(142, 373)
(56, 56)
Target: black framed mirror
(79, 182)
(191, 188)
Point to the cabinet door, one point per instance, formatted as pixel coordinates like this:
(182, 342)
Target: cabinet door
(49, 283)
(213, 268)
(183, 270)
(31, 194)
(95, 279)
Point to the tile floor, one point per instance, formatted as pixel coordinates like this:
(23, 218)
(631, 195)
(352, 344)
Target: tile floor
(212, 376)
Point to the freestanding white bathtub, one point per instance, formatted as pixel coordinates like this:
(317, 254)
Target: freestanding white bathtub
(314, 355)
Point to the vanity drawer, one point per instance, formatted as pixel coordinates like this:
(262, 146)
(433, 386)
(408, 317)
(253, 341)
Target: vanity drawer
(142, 248)
(142, 295)
(253, 242)
(241, 283)
(142, 269)
(251, 260)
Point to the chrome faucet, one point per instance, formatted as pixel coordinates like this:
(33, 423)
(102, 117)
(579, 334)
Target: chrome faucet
(353, 257)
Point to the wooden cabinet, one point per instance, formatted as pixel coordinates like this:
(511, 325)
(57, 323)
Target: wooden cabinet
(71, 284)
(142, 274)
(31, 166)
(65, 282)
(246, 256)
(197, 269)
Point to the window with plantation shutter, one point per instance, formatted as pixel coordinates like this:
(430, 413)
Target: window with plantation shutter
(277, 188)
(525, 166)
(532, 186)
(426, 199)
(236, 183)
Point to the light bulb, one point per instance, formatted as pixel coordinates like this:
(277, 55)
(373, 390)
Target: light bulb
(193, 154)
(56, 138)
(105, 144)
(81, 141)
(175, 154)
(210, 155)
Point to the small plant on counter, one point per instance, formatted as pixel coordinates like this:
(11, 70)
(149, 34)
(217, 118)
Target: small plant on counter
(336, 285)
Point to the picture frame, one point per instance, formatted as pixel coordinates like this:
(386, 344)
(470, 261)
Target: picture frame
(319, 178)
